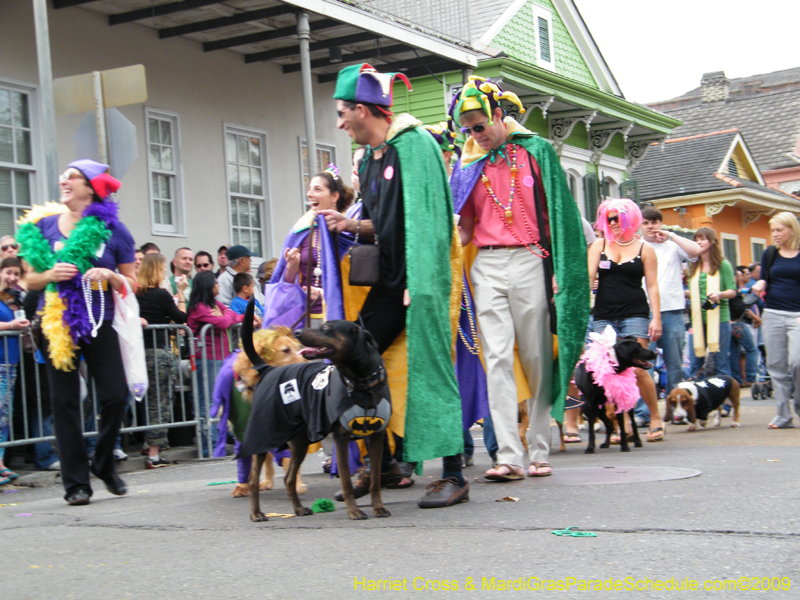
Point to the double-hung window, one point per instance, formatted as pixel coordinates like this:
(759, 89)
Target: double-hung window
(164, 169)
(245, 157)
(17, 168)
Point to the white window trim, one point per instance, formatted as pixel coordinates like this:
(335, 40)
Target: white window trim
(547, 15)
(179, 218)
(731, 237)
(38, 181)
(266, 213)
(754, 240)
(330, 147)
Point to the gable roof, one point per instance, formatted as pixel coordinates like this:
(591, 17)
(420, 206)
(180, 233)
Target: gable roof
(684, 166)
(765, 108)
(692, 165)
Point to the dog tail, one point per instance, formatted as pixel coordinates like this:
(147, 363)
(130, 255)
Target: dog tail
(247, 335)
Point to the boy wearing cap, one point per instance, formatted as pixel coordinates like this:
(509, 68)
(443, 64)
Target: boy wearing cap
(238, 262)
(407, 205)
(529, 276)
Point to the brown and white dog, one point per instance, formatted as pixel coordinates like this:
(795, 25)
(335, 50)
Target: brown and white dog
(700, 398)
(277, 347)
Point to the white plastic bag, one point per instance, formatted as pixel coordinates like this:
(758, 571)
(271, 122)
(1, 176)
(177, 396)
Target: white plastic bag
(131, 341)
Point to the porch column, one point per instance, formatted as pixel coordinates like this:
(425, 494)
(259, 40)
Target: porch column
(50, 191)
(303, 34)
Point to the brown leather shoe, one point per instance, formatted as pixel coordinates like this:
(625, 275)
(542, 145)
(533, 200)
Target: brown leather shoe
(360, 485)
(444, 492)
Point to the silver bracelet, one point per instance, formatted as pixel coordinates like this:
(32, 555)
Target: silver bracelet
(358, 229)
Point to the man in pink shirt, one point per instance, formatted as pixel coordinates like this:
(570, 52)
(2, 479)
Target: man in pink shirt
(507, 208)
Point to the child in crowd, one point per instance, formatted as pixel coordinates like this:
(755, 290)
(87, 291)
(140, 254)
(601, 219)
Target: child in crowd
(10, 319)
(244, 287)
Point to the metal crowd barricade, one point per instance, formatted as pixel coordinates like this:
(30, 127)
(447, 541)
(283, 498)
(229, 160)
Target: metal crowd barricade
(214, 346)
(34, 424)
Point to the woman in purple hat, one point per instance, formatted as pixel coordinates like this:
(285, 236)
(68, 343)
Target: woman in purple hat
(78, 252)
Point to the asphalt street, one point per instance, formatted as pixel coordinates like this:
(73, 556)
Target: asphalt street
(175, 536)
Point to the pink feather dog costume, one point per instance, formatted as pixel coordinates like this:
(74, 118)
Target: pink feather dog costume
(600, 360)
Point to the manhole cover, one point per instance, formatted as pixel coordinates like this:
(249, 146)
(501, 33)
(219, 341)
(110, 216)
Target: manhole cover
(607, 475)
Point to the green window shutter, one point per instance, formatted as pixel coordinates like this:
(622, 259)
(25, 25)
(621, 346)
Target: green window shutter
(591, 194)
(544, 40)
(630, 189)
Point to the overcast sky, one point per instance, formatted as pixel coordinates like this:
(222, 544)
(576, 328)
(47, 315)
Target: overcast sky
(660, 50)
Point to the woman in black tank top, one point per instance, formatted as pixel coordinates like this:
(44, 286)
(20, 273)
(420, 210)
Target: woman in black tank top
(622, 261)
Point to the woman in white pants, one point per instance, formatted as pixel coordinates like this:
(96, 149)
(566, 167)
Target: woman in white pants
(780, 277)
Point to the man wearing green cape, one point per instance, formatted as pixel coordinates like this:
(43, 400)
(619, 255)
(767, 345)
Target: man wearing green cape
(408, 211)
(529, 277)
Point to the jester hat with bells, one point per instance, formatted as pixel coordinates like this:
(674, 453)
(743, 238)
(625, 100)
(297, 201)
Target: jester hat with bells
(480, 94)
(445, 137)
(362, 84)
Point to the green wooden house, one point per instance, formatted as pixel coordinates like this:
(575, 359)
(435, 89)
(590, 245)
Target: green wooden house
(543, 51)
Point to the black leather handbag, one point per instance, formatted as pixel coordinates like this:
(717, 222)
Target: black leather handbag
(365, 264)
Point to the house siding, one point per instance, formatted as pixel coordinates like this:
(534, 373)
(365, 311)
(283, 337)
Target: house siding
(518, 40)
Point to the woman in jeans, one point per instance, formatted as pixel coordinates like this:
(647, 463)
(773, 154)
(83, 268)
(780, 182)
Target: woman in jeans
(780, 277)
(622, 261)
(157, 307)
(711, 286)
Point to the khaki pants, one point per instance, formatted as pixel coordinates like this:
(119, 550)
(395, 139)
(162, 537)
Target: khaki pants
(511, 304)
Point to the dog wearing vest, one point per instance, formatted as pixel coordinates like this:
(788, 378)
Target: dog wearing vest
(605, 374)
(700, 398)
(302, 403)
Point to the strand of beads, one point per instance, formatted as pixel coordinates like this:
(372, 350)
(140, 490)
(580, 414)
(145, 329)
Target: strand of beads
(315, 240)
(493, 196)
(86, 284)
(475, 346)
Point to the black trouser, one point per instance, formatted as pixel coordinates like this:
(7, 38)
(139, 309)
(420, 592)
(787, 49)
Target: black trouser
(105, 366)
(384, 316)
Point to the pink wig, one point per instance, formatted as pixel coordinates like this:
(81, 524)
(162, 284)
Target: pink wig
(630, 217)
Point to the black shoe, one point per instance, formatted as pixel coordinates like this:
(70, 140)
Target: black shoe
(116, 486)
(79, 497)
(444, 492)
(157, 463)
(360, 485)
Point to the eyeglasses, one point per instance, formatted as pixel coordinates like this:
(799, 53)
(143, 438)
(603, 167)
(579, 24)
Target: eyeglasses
(68, 175)
(6, 247)
(340, 113)
(203, 265)
(614, 219)
(475, 129)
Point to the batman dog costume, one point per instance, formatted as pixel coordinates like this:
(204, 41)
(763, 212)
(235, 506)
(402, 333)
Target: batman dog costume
(302, 403)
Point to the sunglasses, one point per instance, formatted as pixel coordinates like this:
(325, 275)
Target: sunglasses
(68, 175)
(6, 247)
(476, 129)
(614, 219)
(340, 113)
(203, 265)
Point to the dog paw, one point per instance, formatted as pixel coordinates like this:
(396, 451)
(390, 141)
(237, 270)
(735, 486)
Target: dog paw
(624, 449)
(266, 484)
(589, 451)
(637, 443)
(381, 511)
(258, 517)
(604, 445)
(357, 514)
(303, 511)
(242, 490)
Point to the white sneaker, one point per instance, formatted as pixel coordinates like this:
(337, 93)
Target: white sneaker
(56, 466)
(119, 454)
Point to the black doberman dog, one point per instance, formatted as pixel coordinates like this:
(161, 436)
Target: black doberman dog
(300, 404)
(629, 354)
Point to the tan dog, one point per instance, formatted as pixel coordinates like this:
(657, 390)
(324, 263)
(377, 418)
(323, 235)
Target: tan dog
(278, 348)
(700, 398)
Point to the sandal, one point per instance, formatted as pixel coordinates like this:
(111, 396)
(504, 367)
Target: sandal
(656, 434)
(8, 474)
(540, 469)
(770, 426)
(398, 477)
(572, 438)
(504, 473)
